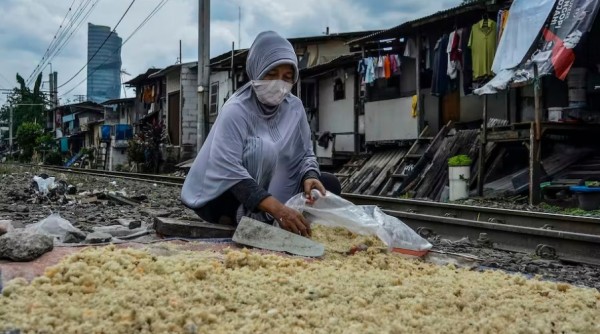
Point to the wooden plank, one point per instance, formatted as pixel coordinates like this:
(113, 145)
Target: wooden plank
(358, 175)
(191, 229)
(424, 161)
(122, 200)
(369, 174)
(507, 135)
(434, 179)
(388, 188)
(385, 173)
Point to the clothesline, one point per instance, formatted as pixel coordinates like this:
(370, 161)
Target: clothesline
(384, 66)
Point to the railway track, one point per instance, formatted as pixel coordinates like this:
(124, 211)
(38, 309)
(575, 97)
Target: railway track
(569, 238)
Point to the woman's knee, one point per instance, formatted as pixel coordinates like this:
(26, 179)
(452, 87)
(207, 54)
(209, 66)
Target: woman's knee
(331, 183)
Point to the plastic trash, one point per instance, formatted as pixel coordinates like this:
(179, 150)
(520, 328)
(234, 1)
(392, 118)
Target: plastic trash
(57, 227)
(44, 185)
(334, 211)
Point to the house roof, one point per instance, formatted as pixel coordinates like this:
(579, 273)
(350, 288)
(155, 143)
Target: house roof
(437, 20)
(338, 36)
(95, 122)
(224, 60)
(336, 63)
(118, 101)
(142, 77)
(171, 68)
(87, 105)
(240, 55)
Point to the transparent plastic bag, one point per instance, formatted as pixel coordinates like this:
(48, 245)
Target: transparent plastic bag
(334, 211)
(57, 227)
(44, 185)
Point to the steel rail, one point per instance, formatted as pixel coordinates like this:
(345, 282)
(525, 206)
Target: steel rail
(570, 238)
(567, 246)
(496, 216)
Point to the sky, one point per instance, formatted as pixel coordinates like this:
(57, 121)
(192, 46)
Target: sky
(28, 27)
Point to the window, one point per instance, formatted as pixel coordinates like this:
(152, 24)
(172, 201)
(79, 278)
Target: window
(384, 89)
(308, 94)
(214, 98)
(339, 90)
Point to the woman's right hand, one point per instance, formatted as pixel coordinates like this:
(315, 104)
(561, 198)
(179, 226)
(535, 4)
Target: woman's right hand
(288, 218)
(293, 221)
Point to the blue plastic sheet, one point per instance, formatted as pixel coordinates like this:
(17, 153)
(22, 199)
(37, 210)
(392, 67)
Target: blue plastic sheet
(64, 145)
(105, 132)
(123, 132)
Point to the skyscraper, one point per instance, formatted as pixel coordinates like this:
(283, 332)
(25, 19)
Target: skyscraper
(104, 69)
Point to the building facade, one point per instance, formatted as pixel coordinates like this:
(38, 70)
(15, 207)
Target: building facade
(104, 64)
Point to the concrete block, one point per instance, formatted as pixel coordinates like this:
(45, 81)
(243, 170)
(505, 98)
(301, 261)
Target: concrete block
(191, 229)
(98, 238)
(129, 223)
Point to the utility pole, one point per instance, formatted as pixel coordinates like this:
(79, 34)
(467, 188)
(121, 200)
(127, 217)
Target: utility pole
(180, 55)
(51, 81)
(203, 70)
(55, 91)
(10, 130)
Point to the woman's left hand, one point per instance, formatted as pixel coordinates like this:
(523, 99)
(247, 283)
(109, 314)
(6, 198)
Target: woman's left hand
(309, 185)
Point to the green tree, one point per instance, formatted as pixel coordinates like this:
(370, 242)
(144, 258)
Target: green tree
(29, 104)
(28, 139)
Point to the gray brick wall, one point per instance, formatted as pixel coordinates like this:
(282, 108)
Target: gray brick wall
(189, 115)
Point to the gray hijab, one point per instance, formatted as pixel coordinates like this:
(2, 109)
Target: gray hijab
(283, 129)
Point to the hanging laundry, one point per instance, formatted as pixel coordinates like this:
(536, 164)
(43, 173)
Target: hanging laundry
(440, 67)
(398, 70)
(387, 67)
(148, 94)
(362, 67)
(380, 68)
(454, 54)
(393, 64)
(410, 50)
(483, 47)
(427, 49)
(414, 106)
(467, 70)
(502, 25)
(370, 73)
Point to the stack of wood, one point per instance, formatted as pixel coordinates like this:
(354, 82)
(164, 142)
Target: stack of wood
(351, 168)
(369, 178)
(517, 183)
(431, 182)
(494, 154)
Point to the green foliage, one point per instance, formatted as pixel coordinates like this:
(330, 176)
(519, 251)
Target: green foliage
(592, 183)
(460, 160)
(145, 146)
(28, 104)
(569, 211)
(27, 138)
(45, 141)
(135, 151)
(54, 158)
(87, 153)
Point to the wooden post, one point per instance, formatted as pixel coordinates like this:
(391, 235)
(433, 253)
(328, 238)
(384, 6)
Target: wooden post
(538, 102)
(535, 143)
(418, 82)
(482, 147)
(508, 106)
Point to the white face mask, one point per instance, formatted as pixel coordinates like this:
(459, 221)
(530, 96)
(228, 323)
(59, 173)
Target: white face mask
(271, 92)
